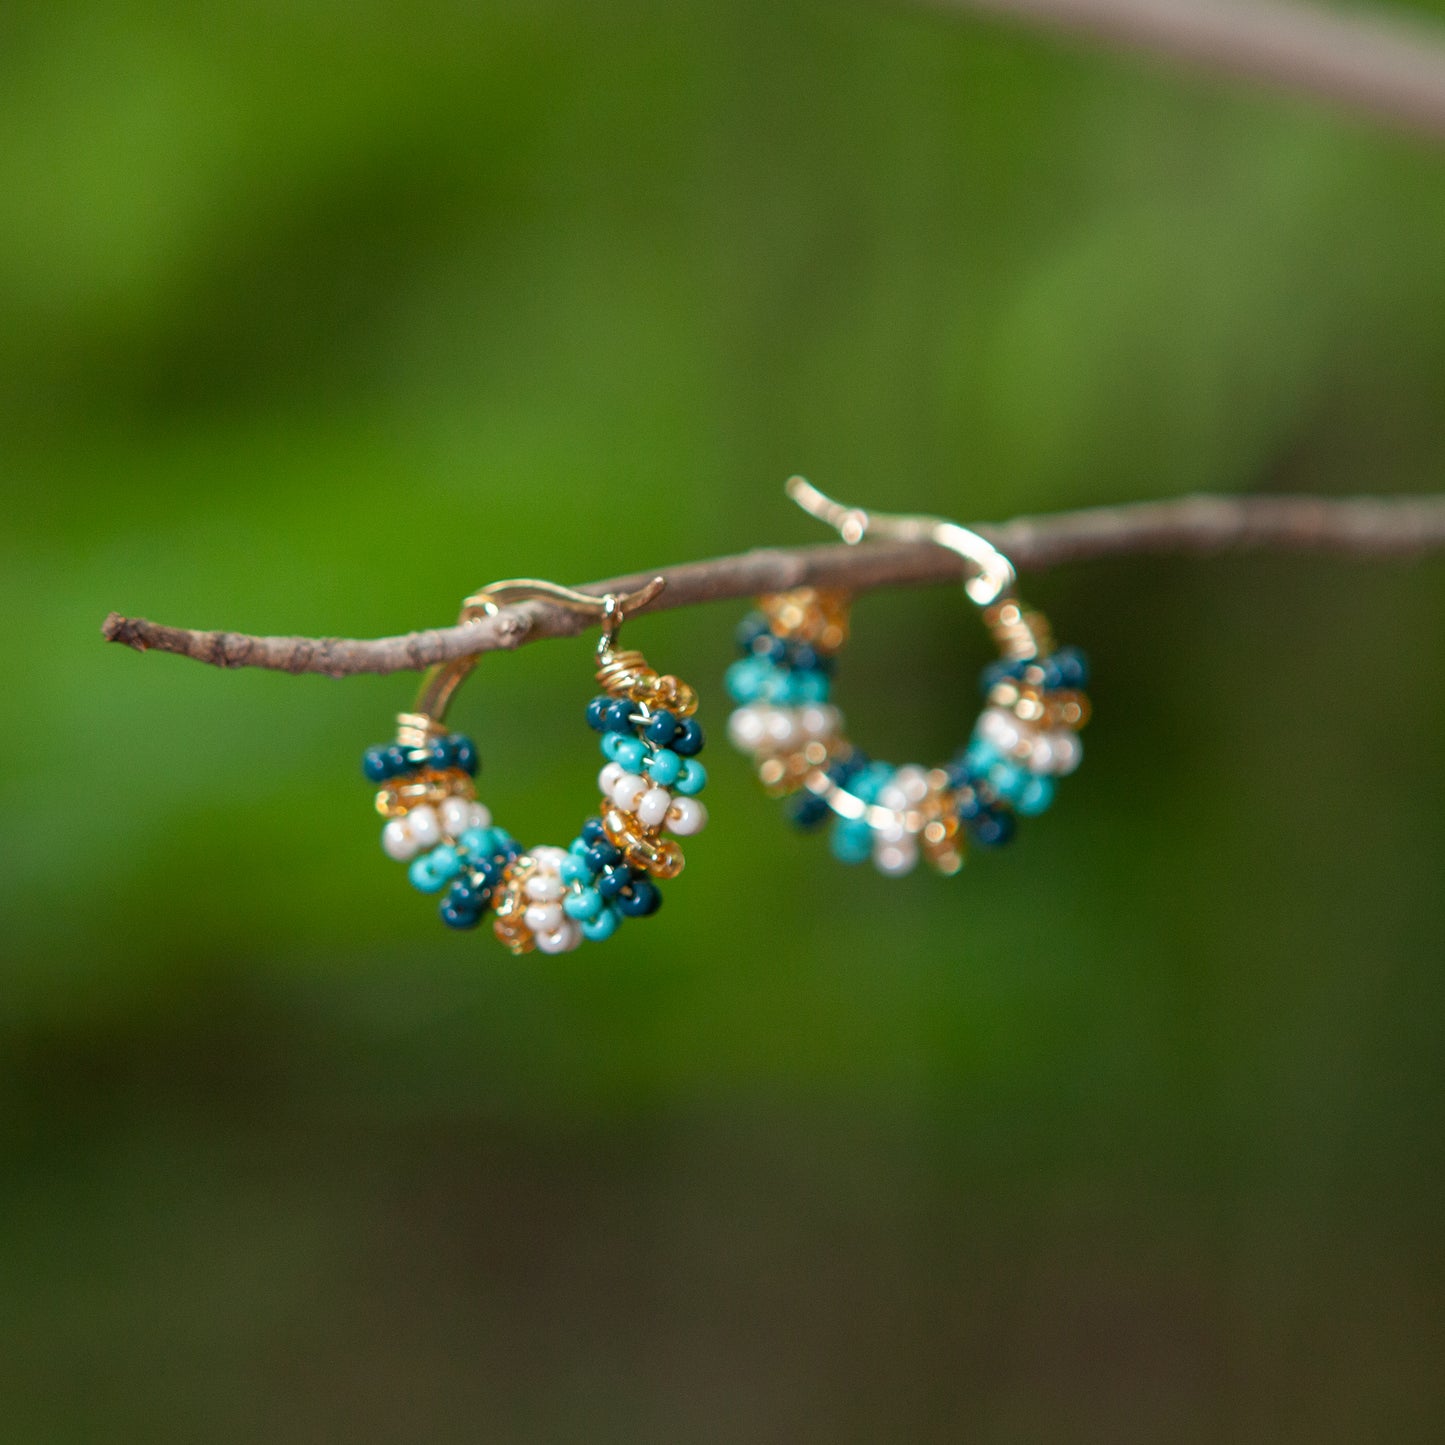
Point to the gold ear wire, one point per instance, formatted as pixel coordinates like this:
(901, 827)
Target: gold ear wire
(442, 681)
(995, 575)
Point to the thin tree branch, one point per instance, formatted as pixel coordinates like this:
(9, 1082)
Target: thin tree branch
(1391, 67)
(1363, 527)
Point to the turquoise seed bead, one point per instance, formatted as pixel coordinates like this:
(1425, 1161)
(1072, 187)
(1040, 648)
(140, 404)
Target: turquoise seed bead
(477, 843)
(851, 840)
(573, 870)
(663, 767)
(609, 744)
(748, 677)
(1034, 796)
(811, 687)
(629, 752)
(425, 875)
(1007, 780)
(603, 926)
(692, 779)
(870, 782)
(583, 905)
(445, 862)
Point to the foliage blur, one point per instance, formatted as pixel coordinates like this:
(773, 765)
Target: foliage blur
(315, 318)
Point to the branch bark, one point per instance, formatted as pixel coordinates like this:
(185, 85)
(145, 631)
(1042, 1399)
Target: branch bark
(1362, 527)
(1388, 67)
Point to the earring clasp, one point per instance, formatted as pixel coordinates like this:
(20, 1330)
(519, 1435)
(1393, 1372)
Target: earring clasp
(995, 576)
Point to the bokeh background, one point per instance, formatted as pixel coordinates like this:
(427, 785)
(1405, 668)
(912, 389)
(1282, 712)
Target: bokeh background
(316, 317)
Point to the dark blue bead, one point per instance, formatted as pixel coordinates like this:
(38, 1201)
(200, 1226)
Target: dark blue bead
(969, 805)
(464, 754)
(487, 873)
(1073, 667)
(602, 855)
(441, 753)
(619, 716)
(843, 770)
(597, 713)
(690, 738)
(773, 648)
(752, 627)
(397, 760)
(660, 728)
(611, 881)
(991, 828)
(464, 892)
(455, 917)
(807, 657)
(807, 810)
(640, 900)
(593, 831)
(375, 766)
(1053, 677)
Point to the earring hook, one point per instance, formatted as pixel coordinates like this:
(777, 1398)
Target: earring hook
(442, 681)
(995, 575)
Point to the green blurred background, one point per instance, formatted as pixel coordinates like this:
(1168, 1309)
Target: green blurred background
(316, 317)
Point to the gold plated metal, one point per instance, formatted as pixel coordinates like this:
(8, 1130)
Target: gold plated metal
(994, 577)
(441, 682)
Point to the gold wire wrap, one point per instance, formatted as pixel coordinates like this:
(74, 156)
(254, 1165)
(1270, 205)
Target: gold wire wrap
(395, 800)
(509, 904)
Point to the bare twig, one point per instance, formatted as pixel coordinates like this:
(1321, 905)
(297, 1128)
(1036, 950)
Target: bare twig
(1390, 67)
(1364, 527)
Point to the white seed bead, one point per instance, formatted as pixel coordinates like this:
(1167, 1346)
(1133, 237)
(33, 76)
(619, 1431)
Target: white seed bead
(547, 858)
(397, 841)
(478, 816)
(818, 720)
(424, 825)
(652, 807)
(607, 778)
(544, 917)
(892, 831)
(1041, 754)
(562, 939)
(455, 815)
(895, 859)
(747, 726)
(686, 816)
(914, 782)
(1067, 749)
(543, 887)
(627, 791)
(782, 728)
(1000, 728)
(893, 797)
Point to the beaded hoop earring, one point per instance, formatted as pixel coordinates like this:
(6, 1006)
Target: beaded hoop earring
(548, 898)
(1025, 738)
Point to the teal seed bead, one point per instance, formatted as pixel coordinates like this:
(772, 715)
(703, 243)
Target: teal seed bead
(747, 678)
(609, 745)
(851, 840)
(1007, 780)
(692, 778)
(584, 905)
(629, 752)
(870, 782)
(1034, 796)
(603, 926)
(810, 687)
(578, 847)
(478, 843)
(663, 767)
(573, 870)
(426, 873)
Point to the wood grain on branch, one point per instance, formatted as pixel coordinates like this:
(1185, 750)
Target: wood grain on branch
(1388, 67)
(1363, 527)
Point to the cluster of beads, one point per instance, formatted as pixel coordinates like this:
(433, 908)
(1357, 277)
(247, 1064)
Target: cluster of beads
(1026, 737)
(552, 898)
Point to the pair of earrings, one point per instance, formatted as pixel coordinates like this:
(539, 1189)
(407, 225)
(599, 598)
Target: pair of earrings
(553, 899)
